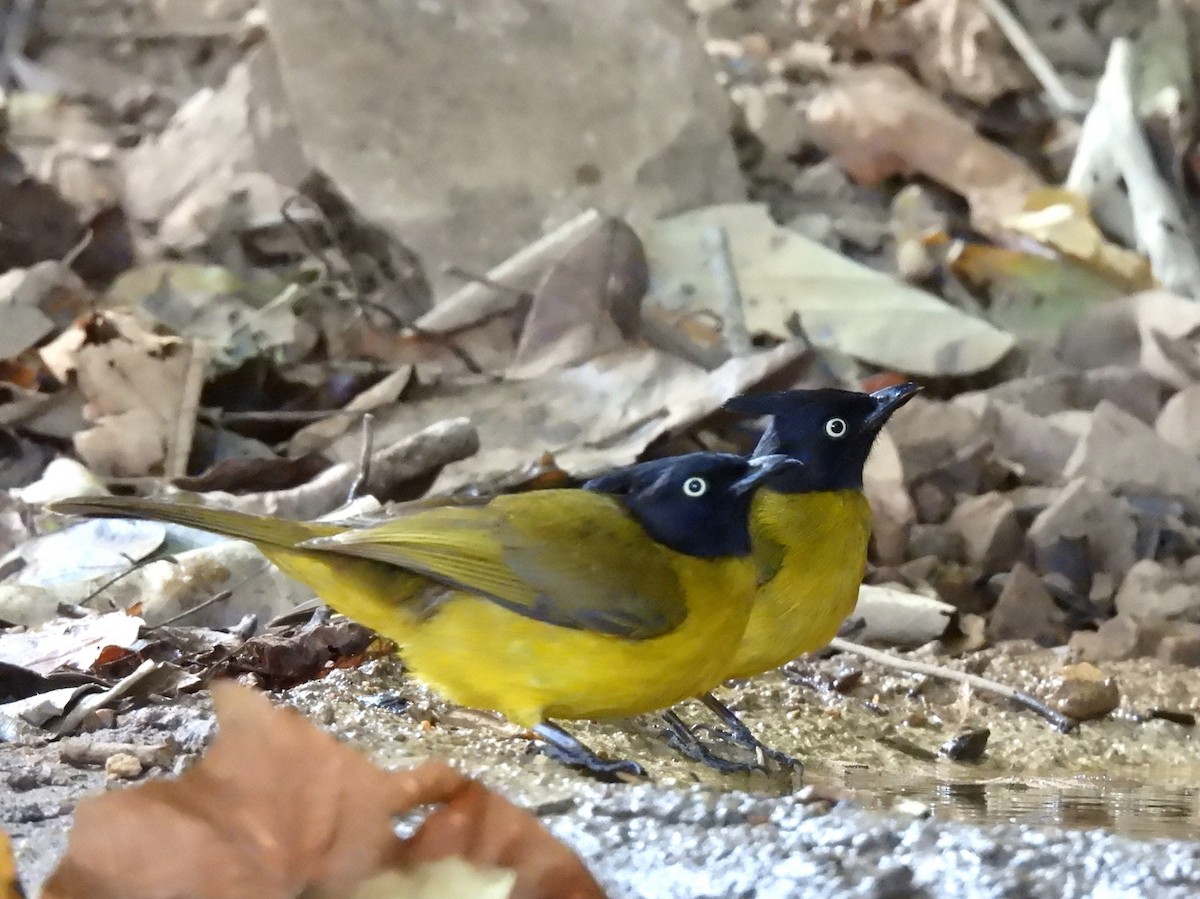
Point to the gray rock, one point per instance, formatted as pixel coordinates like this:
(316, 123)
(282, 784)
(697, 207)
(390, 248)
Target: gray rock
(467, 130)
(1116, 639)
(1084, 527)
(1126, 455)
(935, 540)
(1155, 590)
(1039, 446)
(991, 535)
(1181, 647)
(780, 127)
(1179, 421)
(1026, 611)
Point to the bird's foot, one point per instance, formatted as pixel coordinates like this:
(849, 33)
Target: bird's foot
(562, 747)
(683, 740)
(740, 735)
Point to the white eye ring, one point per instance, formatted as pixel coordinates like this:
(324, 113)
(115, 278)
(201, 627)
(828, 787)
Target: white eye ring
(836, 427)
(695, 487)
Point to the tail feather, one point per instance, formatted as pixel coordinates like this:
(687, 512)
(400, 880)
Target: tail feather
(258, 529)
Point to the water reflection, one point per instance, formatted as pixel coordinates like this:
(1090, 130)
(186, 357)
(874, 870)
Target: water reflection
(1117, 804)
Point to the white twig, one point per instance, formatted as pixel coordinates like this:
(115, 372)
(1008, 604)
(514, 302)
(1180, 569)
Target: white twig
(1059, 720)
(1041, 67)
(1113, 145)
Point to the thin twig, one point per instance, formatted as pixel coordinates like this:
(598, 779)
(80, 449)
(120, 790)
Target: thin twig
(1041, 67)
(1059, 720)
(212, 600)
(222, 416)
(720, 263)
(133, 566)
(364, 459)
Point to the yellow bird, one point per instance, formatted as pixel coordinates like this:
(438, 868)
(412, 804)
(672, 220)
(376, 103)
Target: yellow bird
(541, 605)
(809, 527)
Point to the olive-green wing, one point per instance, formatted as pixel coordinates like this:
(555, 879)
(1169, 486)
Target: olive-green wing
(567, 557)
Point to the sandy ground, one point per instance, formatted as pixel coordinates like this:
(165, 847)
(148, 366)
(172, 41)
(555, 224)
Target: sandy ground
(876, 813)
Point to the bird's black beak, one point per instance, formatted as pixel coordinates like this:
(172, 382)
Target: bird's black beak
(762, 467)
(888, 400)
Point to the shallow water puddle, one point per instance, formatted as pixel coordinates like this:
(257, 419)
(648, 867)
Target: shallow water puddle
(1084, 801)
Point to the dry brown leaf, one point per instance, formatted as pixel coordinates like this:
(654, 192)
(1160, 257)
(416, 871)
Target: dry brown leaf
(141, 391)
(10, 887)
(954, 45)
(1062, 220)
(878, 122)
(588, 303)
(277, 807)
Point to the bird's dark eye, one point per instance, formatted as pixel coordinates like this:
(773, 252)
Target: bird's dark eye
(695, 487)
(835, 427)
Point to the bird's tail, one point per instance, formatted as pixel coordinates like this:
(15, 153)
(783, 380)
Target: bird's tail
(261, 530)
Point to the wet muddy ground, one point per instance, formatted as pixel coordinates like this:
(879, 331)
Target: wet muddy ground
(878, 812)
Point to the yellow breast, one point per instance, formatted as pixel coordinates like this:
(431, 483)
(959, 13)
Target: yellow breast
(811, 550)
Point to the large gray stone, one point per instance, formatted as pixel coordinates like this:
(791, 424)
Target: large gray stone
(469, 129)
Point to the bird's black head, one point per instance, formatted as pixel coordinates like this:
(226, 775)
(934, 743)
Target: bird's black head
(830, 431)
(696, 504)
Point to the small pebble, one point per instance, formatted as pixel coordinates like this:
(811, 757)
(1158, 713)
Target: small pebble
(967, 746)
(1083, 692)
(122, 766)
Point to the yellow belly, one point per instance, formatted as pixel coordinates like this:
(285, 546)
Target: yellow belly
(479, 654)
(811, 551)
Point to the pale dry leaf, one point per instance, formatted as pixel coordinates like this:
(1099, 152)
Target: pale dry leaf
(141, 394)
(876, 121)
(438, 880)
(72, 642)
(1168, 327)
(786, 279)
(900, 617)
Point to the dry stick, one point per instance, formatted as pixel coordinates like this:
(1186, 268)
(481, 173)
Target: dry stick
(1064, 723)
(212, 600)
(720, 263)
(1041, 67)
(364, 459)
(1113, 145)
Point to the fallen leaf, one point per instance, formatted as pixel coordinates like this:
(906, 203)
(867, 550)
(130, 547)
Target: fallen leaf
(277, 807)
(954, 44)
(73, 642)
(878, 122)
(10, 886)
(1062, 220)
(784, 277)
(571, 414)
(588, 302)
(209, 303)
(892, 508)
(141, 390)
(86, 549)
(1168, 326)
